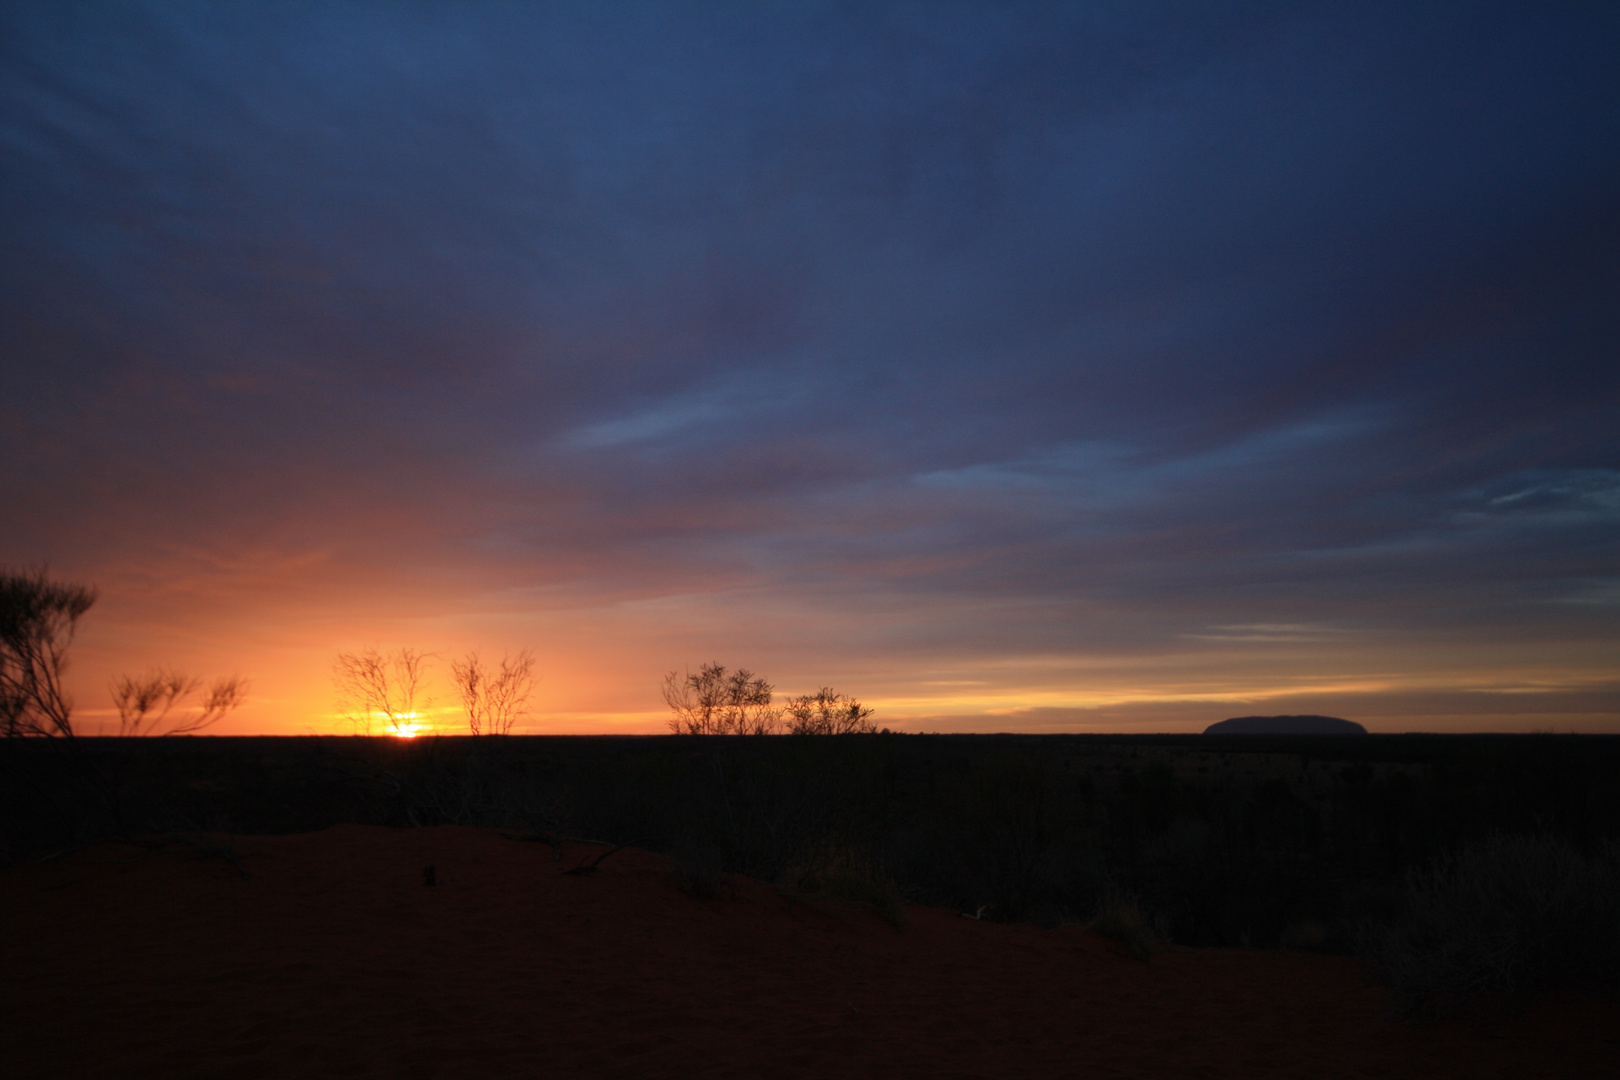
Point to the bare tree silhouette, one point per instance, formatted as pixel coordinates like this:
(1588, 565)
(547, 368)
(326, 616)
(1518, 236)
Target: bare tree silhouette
(38, 618)
(144, 704)
(495, 699)
(827, 713)
(374, 686)
(720, 702)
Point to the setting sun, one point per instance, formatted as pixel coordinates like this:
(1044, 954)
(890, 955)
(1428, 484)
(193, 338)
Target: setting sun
(405, 725)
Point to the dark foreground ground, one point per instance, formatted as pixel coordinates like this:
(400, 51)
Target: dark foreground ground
(1220, 841)
(325, 954)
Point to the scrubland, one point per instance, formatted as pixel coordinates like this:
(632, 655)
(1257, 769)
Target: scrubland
(1456, 865)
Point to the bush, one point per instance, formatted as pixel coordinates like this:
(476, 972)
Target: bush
(827, 712)
(1123, 920)
(720, 702)
(38, 618)
(1507, 914)
(833, 866)
(697, 866)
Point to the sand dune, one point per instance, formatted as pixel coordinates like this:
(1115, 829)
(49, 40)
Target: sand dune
(334, 959)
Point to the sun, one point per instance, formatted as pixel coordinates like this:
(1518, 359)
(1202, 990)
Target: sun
(405, 725)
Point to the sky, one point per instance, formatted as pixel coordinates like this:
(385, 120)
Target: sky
(1009, 366)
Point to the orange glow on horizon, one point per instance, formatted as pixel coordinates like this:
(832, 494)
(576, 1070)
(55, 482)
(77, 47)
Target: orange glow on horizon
(404, 725)
(590, 687)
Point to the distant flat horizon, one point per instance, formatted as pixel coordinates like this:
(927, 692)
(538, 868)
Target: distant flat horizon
(1193, 735)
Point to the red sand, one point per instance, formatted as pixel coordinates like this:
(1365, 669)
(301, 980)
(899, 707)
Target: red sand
(333, 959)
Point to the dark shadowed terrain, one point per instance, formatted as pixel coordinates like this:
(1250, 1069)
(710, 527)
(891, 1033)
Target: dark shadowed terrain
(1219, 841)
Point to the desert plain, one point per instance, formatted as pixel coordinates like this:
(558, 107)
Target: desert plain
(327, 954)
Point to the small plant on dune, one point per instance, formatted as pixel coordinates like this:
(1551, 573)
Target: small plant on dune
(697, 867)
(849, 872)
(1123, 920)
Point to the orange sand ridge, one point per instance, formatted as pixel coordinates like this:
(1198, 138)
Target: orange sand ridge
(334, 959)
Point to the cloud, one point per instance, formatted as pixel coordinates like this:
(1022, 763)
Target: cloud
(1042, 328)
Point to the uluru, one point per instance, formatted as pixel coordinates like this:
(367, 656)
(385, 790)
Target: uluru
(1285, 725)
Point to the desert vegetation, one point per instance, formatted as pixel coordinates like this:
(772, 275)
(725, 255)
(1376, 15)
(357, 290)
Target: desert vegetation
(827, 712)
(495, 697)
(38, 620)
(381, 690)
(1507, 913)
(1454, 864)
(387, 693)
(718, 701)
(161, 702)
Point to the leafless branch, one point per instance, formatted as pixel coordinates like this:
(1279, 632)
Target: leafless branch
(494, 699)
(145, 704)
(372, 685)
(590, 867)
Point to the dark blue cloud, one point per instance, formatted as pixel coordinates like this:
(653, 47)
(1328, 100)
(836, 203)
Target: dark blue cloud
(1262, 315)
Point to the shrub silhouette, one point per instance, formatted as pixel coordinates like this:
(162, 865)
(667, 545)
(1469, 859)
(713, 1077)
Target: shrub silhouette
(1123, 920)
(373, 686)
(717, 701)
(52, 794)
(827, 712)
(832, 866)
(38, 618)
(720, 702)
(698, 867)
(495, 698)
(144, 704)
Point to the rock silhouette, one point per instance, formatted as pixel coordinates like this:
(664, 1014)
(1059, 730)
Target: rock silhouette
(1285, 725)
